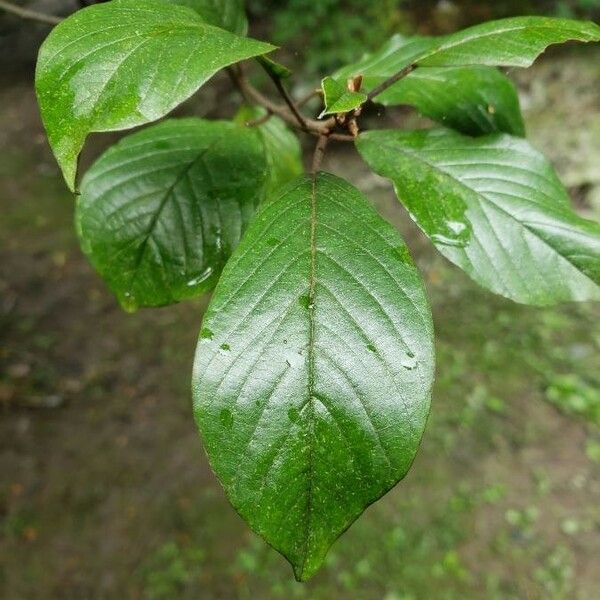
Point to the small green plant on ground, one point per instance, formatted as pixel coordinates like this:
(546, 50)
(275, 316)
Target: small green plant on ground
(315, 360)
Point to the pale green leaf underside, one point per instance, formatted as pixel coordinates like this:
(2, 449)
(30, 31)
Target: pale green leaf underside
(493, 206)
(314, 366)
(282, 148)
(161, 211)
(227, 14)
(338, 98)
(125, 63)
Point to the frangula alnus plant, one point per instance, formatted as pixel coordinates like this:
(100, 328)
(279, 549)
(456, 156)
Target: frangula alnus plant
(315, 360)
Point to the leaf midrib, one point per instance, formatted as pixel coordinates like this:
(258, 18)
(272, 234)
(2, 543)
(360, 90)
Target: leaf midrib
(311, 363)
(163, 202)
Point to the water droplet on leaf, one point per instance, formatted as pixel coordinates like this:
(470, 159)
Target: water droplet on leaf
(226, 417)
(129, 302)
(206, 334)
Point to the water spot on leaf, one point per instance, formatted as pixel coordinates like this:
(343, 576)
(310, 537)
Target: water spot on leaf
(404, 254)
(294, 414)
(273, 241)
(456, 227)
(371, 348)
(226, 417)
(304, 301)
(200, 278)
(129, 302)
(206, 334)
(294, 360)
(444, 240)
(409, 361)
(224, 348)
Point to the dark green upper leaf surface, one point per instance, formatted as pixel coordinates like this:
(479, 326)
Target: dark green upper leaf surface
(493, 206)
(227, 14)
(512, 42)
(338, 98)
(314, 366)
(160, 212)
(124, 63)
(281, 146)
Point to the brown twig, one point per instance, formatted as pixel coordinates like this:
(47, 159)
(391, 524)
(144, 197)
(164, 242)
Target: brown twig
(308, 97)
(26, 13)
(289, 101)
(312, 126)
(319, 153)
(260, 120)
(384, 85)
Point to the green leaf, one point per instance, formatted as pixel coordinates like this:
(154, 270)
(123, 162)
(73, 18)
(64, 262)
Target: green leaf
(338, 98)
(273, 68)
(125, 63)
(227, 14)
(473, 100)
(281, 146)
(512, 42)
(398, 52)
(161, 211)
(314, 367)
(493, 206)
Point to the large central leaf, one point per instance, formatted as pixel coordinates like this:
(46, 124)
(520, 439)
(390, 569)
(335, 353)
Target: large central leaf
(493, 206)
(314, 367)
(125, 63)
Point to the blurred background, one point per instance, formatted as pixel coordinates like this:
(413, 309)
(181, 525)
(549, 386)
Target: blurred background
(105, 491)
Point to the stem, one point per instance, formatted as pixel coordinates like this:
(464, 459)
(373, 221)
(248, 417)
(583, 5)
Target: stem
(26, 13)
(288, 100)
(259, 120)
(319, 153)
(305, 99)
(384, 85)
(312, 126)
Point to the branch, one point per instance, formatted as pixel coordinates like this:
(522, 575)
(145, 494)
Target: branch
(384, 85)
(319, 153)
(26, 13)
(286, 97)
(312, 126)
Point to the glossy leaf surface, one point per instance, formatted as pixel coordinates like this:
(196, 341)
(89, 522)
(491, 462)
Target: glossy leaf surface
(281, 146)
(493, 206)
(512, 42)
(161, 211)
(398, 52)
(125, 63)
(338, 98)
(227, 14)
(314, 366)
